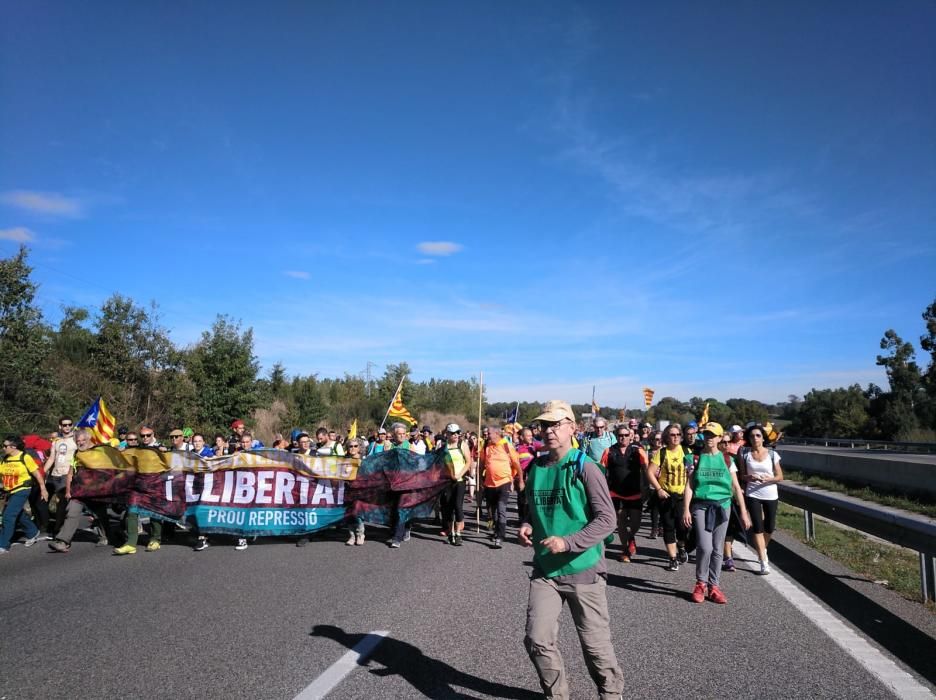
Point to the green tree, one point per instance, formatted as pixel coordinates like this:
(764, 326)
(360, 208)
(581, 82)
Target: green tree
(833, 413)
(223, 370)
(25, 387)
(895, 410)
(926, 410)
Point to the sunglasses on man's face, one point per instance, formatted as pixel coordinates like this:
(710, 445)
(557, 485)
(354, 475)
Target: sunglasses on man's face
(65, 425)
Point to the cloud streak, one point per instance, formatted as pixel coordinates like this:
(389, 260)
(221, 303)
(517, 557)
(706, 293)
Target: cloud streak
(20, 234)
(297, 274)
(439, 248)
(44, 203)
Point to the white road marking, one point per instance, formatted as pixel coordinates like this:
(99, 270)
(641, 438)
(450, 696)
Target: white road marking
(852, 642)
(335, 673)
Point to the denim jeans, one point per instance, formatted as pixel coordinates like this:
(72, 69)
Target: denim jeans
(13, 514)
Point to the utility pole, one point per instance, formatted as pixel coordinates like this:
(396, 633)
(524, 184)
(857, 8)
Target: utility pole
(368, 377)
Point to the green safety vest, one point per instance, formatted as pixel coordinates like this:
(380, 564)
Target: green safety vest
(558, 506)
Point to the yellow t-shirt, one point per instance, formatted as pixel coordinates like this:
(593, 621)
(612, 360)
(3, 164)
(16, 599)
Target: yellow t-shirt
(672, 470)
(17, 472)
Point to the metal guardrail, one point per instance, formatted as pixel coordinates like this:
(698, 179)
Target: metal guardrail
(870, 445)
(896, 526)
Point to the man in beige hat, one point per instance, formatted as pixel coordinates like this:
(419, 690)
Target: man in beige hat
(569, 513)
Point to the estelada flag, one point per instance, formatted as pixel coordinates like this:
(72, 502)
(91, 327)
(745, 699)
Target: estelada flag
(101, 422)
(398, 410)
(648, 396)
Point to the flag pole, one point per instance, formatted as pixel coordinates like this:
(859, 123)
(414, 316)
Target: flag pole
(478, 486)
(392, 399)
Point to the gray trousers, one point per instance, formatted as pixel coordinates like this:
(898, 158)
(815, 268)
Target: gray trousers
(588, 604)
(73, 519)
(709, 546)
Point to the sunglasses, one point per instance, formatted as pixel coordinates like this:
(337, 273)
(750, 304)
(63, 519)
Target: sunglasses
(65, 425)
(8, 445)
(146, 435)
(133, 440)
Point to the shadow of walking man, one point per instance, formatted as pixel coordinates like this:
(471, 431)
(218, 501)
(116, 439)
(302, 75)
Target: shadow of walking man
(430, 677)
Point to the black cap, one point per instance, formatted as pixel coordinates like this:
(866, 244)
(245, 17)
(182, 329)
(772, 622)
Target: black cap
(122, 429)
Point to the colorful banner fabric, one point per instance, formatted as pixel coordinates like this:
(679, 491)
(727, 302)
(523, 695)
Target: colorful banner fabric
(261, 492)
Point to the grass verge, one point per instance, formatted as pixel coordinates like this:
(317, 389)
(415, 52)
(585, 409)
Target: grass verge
(896, 568)
(885, 499)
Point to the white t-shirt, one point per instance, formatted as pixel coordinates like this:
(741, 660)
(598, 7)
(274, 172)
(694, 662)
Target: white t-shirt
(762, 492)
(64, 450)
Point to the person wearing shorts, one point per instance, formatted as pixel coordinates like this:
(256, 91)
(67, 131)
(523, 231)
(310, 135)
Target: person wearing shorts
(760, 472)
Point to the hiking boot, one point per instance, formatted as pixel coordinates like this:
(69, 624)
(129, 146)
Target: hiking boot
(59, 546)
(728, 565)
(31, 541)
(241, 544)
(698, 593)
(716, 596)
(153, 546)
(350, 541)
(201, 544)
(682, 555)
(125, 549)
(673, 565)
(359, 538)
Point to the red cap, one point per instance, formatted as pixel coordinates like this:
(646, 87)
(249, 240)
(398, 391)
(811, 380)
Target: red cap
(237, 424)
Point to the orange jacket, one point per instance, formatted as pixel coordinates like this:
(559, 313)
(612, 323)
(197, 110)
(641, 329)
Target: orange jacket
(500, 462)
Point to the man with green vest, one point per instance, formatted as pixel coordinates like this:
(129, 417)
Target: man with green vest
(569, 513)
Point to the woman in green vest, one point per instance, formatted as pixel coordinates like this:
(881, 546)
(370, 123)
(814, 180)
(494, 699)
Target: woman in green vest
(706, 509)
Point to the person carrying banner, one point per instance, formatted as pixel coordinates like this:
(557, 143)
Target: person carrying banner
(569, 513)
(356, 526)
(74, 509)
(401, 528)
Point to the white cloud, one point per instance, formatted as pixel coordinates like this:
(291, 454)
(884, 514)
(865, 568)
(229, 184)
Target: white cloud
(297, 274)
(20, 234)
(46, 203)
(438, 247)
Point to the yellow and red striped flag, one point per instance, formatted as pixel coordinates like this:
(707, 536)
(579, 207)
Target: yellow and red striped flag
(101, 422)
(648, 396)
(398, 410)
(704, 419)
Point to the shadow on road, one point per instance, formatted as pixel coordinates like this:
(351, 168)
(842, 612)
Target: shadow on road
(909, 644)
(430, 677)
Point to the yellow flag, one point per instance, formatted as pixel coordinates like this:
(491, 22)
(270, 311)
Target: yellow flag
(704, 419)
(352, 431)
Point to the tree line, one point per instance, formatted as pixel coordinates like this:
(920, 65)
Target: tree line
(122, 352)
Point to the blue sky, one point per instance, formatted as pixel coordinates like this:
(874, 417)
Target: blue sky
(731, 199)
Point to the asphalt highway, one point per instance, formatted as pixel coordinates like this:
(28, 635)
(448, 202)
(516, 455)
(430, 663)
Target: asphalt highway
(268, 621)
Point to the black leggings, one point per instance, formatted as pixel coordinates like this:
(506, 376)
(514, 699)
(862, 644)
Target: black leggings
(671, 519)
(763, 514)
(451, 503)
(628, 517)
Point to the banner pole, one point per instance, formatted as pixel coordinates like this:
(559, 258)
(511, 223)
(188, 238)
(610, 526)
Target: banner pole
(392, 399)
(479, 487)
